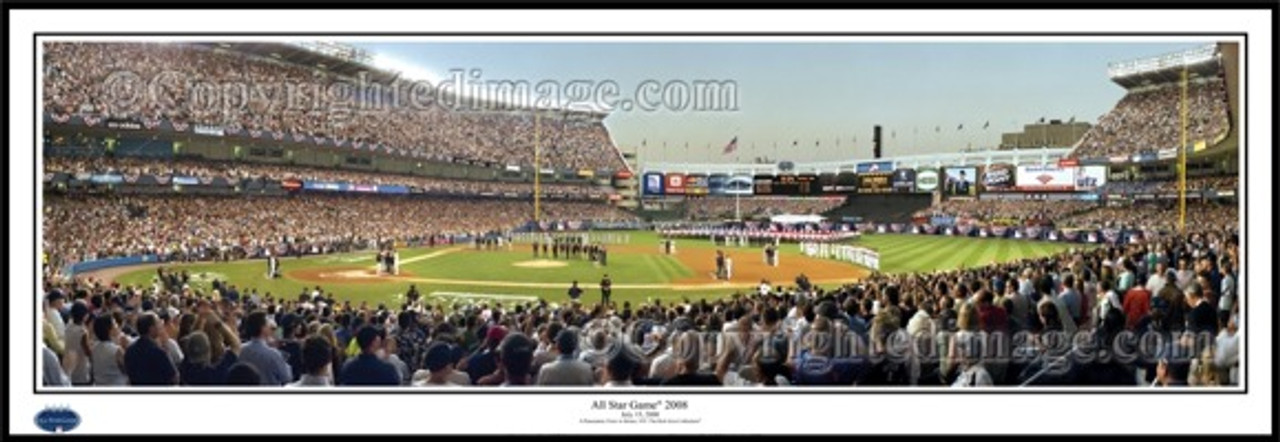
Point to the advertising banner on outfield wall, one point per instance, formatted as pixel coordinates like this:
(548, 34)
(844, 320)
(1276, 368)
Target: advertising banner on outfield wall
(838, 183)
(739, 185)
(716, 184)
(904, 180)
(107, 178)
(1144, 157)
(877, 182)
(674, 184)
(927, 179)
(997, 178)
(762, 184)
(1089, 178)
(696, 184)
(653, 183)
(960, 181)
(878, 166)
(323, 185)
(1046, 178)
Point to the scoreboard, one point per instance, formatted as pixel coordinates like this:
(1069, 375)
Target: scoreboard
(875, 182)
(794, 185)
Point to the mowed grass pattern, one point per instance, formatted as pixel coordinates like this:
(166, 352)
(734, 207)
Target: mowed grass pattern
(899, 253)
(927, 253)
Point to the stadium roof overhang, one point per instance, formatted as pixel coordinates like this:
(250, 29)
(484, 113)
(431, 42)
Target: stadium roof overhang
(1201, 61)
(1168, 75)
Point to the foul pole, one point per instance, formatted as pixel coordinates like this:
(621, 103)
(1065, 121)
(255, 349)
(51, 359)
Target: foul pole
(1182, 157)
(538, 167)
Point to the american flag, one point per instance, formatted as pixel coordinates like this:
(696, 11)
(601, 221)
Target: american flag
(732, 146)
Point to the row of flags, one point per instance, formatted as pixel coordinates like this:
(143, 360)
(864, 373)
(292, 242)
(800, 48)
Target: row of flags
(732, 145)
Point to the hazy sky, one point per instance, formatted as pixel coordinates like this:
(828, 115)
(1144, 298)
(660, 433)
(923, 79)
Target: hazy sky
(827, 93)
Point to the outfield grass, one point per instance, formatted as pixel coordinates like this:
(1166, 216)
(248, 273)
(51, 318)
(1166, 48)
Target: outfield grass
(927, 253)
(899, 253)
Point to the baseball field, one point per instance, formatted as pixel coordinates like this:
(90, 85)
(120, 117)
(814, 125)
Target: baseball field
(639, 270)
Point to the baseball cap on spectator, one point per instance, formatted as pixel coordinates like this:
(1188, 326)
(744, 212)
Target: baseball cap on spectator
(496, 333)
(439, 355)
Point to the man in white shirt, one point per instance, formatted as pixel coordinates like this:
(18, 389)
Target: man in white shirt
(565, 370)
(1185, 276)
(764, 287)
(1155, 282)
(595, 356)
(53, 313)
(1226, 355)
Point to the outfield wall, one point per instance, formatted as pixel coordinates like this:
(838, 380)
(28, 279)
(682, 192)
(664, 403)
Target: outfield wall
(99, 264)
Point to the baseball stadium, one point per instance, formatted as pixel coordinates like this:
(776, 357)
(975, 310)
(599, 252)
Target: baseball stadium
(262, 244)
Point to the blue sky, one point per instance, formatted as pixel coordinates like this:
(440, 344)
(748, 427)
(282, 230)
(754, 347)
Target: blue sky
(812, 92)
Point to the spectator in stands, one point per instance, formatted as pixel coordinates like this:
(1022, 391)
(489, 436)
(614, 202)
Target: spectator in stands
(687, 356)
(145, 361)
(78, 344)
(515, 358)
(566, 370)
(621, 367)
(244, 375)
(267, 361)
(108, 353)
(317, 363)
(1202, 317)
(368, 368)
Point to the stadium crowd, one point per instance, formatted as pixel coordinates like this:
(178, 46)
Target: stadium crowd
(190, 228)
(237, 171)
(1021, 211)
(1156, 215)
(1148, 120)
(1196, 184)
(192, 85)
(718, 208)
(1163, 313)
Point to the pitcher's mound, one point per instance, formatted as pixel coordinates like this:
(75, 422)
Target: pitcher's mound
(540, 264)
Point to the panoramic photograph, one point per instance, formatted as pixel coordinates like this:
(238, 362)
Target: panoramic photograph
(661, 215)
